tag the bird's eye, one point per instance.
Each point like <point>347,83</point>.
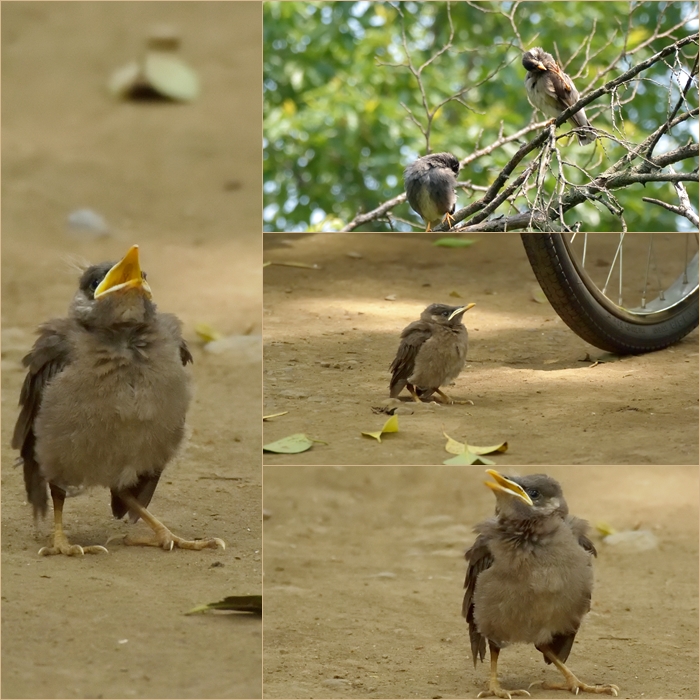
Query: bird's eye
<point>445,313</point>
<point>94,284</point>
<point>533,493</point>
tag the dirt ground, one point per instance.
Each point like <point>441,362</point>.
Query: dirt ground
<point>184,183</point>
<point>330,335</point>
<point>364,571</point>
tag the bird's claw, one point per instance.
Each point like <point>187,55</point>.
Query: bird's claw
<point>498,692</point>
<point>167,541</point>
<point>72,550</point>
<point>577,686</point>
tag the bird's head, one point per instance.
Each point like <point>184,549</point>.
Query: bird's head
<point>444,160</point>
<point>536,59</point>
<point>111,293</point>
<point>445,315</point>
<point>527,497</point>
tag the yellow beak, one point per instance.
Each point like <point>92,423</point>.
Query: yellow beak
<point>460,310</point>
<point>504,485</point>
<point>126,274</point>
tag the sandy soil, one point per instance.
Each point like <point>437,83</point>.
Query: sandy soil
<point>331,333</point>
<point>364,575</point>
<point>183,182</point>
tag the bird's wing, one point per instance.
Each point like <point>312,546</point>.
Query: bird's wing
<point>49,356</point>
<point>580,529</point>
<point>561,643</point>
<point>412,338</point>
<point>185,354</point>
<point>480,558</point>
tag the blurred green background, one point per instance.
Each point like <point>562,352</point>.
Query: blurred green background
<point>336,138</point>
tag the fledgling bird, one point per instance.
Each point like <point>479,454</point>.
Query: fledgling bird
<point>432,352</point>
<point>430,185</point>
<point>529,579</point>
<point>104,403</point>
<point>552,91</point>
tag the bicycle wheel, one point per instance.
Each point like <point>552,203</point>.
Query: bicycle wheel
<point>651,303</point>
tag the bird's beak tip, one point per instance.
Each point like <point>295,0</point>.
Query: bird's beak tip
<point>126,274</point>
<point>504,486</point>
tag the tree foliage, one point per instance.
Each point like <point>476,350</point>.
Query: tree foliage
<point>348,103</point>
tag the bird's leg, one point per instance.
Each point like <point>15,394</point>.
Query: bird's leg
<point>449,399</point>
<point>495,689</point>
<point>449,219</point>
<point>444,396</point>
<point>573,684</point>
<point>413,393</point>
<point>61,545</point>
<point>428,228</point>
<point>162,536</point>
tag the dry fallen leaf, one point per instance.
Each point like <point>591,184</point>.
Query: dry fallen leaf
<point>391,426</point>
<point>306,266</point>
<point>455,447</point>
<point>237,603</point>
<point>275,415</point>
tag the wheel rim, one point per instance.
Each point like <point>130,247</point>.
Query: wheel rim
<point>647,293</point>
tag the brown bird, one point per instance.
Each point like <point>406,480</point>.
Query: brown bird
<point>552,91</point>
<point>104,403</point>
<point>432,352</point>
<point>530,578</point>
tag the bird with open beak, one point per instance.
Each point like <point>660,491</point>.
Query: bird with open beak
<point>430,185</point>
<point>104,403</point>
<point>552,91</point>
<point>431,354</point>
<point>529,579</point>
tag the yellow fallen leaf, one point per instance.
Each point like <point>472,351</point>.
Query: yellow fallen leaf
<point>454,447</point>
<point>604,529</point>
<point>502,447</point>
<point>468,457</point>
<point>206,333</point>
<point>391,426</point>
<point>275,415</point>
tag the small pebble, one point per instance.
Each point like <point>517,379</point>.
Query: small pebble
<point>87,221</point>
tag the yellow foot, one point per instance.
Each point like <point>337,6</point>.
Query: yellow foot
<point>61,545</point>
<point>496,691</point>
<point>166,540</point>
<point>575,686</point>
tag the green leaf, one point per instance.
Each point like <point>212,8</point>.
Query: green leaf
<point>292,444</point>
<point>455,242</point>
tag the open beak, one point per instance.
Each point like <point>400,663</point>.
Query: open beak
<point>460,310</point>
<point>506,486</point>
<point>126,274</point>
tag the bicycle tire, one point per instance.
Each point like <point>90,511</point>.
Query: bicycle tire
<point>590,314</point>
